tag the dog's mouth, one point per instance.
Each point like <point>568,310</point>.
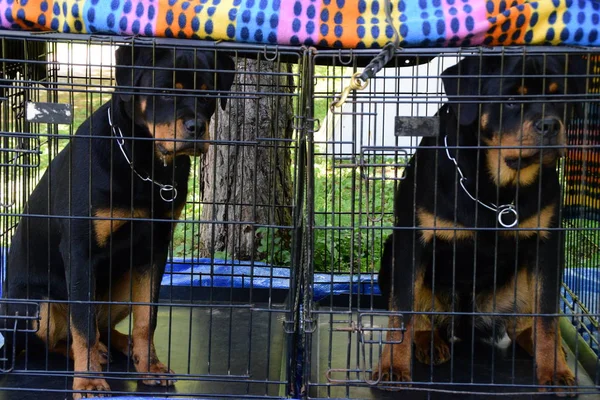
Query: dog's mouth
<point>190,148</point>
<point>187,137</point>
<point>524,161</point>
<point>521,162</point>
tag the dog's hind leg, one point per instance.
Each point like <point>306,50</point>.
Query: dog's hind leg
<point>119,341</point>
<point>430,347</point>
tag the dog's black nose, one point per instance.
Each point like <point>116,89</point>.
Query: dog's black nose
<point>194,127</point>
<point>548,126</point>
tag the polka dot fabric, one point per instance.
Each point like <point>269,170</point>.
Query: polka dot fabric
<point>328,23</point>
<point>259,21</point>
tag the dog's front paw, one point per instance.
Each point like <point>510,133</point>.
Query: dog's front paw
<point>160,376</point>
<point>423,347</point>
<point>563,380</point>
<point>393,369</point>
<point>87,388</point>
<point>386,374</point>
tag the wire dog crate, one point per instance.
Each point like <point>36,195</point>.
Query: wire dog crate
<point>224,316</point>
<point>270,287</point>
<point>361,157</point>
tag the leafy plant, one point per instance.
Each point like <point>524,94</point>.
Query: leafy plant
<point>352,212</point>
<point>274,246</point>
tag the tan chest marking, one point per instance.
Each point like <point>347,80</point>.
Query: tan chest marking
<point>109,221</point>
<point>536,223</point>
<point>432,225</point>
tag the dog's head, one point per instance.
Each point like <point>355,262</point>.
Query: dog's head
<point>173,94</point>
<point>519,103</point>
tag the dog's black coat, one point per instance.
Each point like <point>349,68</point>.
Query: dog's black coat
<point>77,254</point>
<point>462,269</point>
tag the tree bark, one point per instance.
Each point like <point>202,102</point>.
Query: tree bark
<point>246,174</point>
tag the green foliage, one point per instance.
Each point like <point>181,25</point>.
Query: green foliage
<point>582,243</point>
<point>185,236</point>
<point>352,212</point>
<point>221,255</point>
<point>274,246</point>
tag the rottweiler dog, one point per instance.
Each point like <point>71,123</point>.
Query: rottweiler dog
<point>483,198</point>
<point>92,246</point>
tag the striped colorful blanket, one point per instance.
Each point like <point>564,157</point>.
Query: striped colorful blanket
<point>328,23</point>
<point>582,165</point>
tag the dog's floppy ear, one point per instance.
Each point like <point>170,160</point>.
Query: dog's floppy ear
<point>461,83</point>
<point>224,79</point>
<point>125,74</point>
<point>127,58</point>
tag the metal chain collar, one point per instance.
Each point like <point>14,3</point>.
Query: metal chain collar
<point>501,211</point>
<point>167,192</point>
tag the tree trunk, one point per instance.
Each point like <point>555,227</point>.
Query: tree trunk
<point>246,175</point>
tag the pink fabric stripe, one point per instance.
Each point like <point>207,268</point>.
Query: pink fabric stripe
<point>143,20</point>
<point>288,17</point>
<point>3,7</point>
<point>458,10</point>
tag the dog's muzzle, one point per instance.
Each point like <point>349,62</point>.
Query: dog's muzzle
<point>548,132</point>
<point>548,127</point>
<point>196,129</point>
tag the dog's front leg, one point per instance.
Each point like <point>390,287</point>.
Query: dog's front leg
<point>85,343</point>
<point>146,287</point>
<point>397,287</point>
<point>551,363</point>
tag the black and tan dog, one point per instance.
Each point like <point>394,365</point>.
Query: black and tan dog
<point>486,244</point>
<point>112,201</point>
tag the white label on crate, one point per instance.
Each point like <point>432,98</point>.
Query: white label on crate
<point>49,113</point>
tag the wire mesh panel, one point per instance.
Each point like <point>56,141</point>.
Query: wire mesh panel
<point>149,239</point>
<point>452,196</point>
<point>197,219</point>
<point>25,74</point>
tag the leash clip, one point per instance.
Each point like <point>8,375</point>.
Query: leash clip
<point>356,83</point>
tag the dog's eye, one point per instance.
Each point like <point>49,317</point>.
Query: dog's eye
<point>166,95</point>
<point>511,103</point>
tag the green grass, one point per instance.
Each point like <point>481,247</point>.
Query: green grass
<point>582,243</point>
